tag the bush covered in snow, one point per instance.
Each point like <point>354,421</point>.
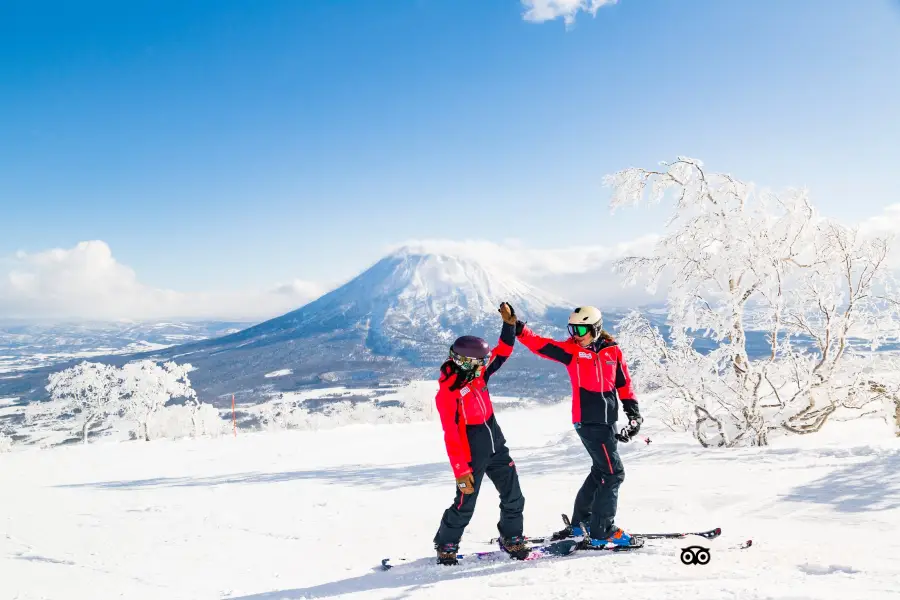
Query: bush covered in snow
<point>87,393</point>
<point>416,403</point>
<point>182,421</point>
<point>5,442</point>
<point>92,395</point>
<point>741,260</point>
<point>145,387</point>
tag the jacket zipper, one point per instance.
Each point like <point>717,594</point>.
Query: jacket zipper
<point>578,372</point>
<point>484,416</point>
<point>602,388</point>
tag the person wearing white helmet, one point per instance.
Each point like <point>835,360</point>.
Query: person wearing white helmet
<point>600,382</point>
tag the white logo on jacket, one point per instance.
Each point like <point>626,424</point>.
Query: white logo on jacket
<point>585,355</point>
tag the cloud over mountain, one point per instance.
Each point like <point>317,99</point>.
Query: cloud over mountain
<point>87,282</point>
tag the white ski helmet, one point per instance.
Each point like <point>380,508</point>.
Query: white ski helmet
<point>589,316</point>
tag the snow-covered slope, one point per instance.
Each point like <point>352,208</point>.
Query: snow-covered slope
<point>304,515</point>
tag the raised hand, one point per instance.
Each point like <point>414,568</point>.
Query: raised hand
<point>508,313</point>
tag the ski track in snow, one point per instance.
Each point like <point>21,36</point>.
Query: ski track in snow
<point>293,515</point>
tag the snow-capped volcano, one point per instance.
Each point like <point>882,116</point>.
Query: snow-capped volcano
<point>418,297</point>
<point>444,287</point>
<point>392,321</point>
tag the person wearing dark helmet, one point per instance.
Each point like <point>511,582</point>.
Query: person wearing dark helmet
<point>475,444</point>
<point>600,380</point>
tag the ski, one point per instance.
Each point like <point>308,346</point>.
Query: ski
<point>538,552</point>
<point>709,534</point>
<point>549,550</point>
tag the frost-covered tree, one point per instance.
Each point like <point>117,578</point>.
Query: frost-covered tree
<point>147,387</point>
<point>6,441</point>
<point>739,259</point>
<point>88,391</point>
<point>279,413</point>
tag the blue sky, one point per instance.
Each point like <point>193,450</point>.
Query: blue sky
<point>225,145</point>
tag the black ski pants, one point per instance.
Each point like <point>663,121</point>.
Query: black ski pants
<point>490,457</point>
<point>597,500</point>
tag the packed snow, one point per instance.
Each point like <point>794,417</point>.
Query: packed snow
<point>280,373</point>
<point>310,514</point>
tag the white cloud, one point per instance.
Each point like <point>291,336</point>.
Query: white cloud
<point>87,282</point>
<point>539,11</point>
<point>888,222</point>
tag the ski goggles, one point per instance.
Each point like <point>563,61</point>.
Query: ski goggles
<point>469,363</point>
<point>580,330</point>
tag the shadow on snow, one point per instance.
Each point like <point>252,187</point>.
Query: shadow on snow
<point>562,457</point>
<point>414,575</point>
<point>867,486</point>
<point>386,477</point>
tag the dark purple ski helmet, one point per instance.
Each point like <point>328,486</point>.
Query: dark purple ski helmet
<point>469,346</point>
<point>470,354</point>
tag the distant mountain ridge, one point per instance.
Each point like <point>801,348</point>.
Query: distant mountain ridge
<point>27,344</point>
<point>394,321</point>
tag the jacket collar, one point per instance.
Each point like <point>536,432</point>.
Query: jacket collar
<point>595,346</point>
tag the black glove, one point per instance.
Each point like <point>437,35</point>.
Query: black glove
<point>630,408</point>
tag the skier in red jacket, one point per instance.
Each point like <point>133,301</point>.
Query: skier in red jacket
<point>600,379</point>
<point>475,444</point>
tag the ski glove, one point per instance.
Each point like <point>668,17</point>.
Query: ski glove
<point>466,483</point>
<point>630,408</point>
<point>508,313</point>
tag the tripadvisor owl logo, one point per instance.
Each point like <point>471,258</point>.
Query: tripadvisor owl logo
<point>695,555</point>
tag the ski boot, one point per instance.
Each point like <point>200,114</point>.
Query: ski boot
<point>446,553</point>
<point>515,546</point>
<point>618,537</point>
<point>569,531</point>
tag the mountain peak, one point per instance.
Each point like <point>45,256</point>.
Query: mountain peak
<point>453,279</point>
<point>479,251</point>
<point>416,293</point>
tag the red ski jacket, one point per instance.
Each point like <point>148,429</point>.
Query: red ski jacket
<point>469,405</point>
<point>598,374</point>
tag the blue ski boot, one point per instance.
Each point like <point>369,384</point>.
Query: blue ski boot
<point>617,538</point>
<point>569,531</point>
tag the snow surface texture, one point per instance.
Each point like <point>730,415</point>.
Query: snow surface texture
<point>310,514</point>
<point>280,373</point>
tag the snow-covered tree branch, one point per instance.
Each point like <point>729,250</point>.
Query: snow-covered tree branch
<point>148,386</point>
<point>744,260</point>
<point>95,393</point>
<point>89,392</point>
